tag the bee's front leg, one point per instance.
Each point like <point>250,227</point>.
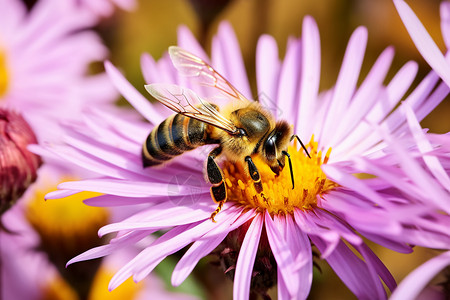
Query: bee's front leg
<point>254,174</point>
<point>215,176</point>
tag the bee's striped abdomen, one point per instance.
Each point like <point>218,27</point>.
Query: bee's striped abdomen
<point>172,137</point>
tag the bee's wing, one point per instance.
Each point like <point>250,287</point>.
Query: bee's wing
<point>192,66</point>
<point>186,102</point>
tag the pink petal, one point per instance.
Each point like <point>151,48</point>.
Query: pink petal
<point>105,250</point>
<point>351,270</point>
<point>283,255</point>
<point>267,71</point>
<point>365,97</point>
<point>346,82</point>
<point>288,82</point>
<point>377,269</point>
<point>416,281</point>
<point>227,47</point>
<point>142,260</point>
<point>205,245</point>
<point>445,22</point>
<point>423,41</point>
<point>301,250</point>
<point>310,77</point>
<point>246,259</point>
<point>188,41</point>
<point>139,102</point>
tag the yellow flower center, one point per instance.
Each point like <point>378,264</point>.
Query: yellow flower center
<point>3,73</point>
<point>66,223</point>
<point>278,196</point>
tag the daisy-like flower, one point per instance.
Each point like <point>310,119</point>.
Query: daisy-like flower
<point>44,62</point>
<point>263,240</point>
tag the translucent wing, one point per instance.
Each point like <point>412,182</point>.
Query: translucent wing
<point>192,66</point>
<point>186,102</point>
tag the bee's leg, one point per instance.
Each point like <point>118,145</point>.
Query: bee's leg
<point>254,174</point>
<point>215,176</point>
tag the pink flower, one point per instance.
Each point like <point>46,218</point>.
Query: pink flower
<point>44,58</point>
<point>269,236</point>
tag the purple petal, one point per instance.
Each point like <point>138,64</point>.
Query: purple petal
<point>283,255</point>
<point>105,250</point>
<point>416,281</point>
<point>141,259</point>
<point>205,245</point>
<point>170,217</point>
<point>187,41</point>
<point>60,194</point>
<point>124,187</point>
<point>306,221</point>
<point>379,269</point>
<point>283,292</point>
<point>423,41</point>
<point>301,251</point>
<point>227,47</point>
<point>351,270</point>
<point>139,102</point>
<point>149,68</point>
<point>366,96</point>
<point>310,77</point>
<point>161,248</point>
<point>246,259</point>
<point>435,193</point>
<point>288,82</point>
<point>445,23</point>
<point>267,70</point>
<point>346,82</point>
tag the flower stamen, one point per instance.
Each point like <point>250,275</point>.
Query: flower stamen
<point>278,197</point>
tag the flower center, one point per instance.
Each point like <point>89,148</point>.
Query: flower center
<point>3,73</point>
<point>278,196</point>
<point>66,222</point>
<point>66,228</point>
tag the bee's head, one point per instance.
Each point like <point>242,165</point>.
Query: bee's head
<point>276,145</point>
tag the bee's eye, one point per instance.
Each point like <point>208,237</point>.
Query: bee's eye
<point>270,148</point>
<point>242,132</point>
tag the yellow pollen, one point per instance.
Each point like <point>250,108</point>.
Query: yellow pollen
<point>277,196</point>
<point>3,73</point>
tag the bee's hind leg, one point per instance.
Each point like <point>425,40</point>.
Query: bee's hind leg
<point>254,174</point>
<point>215,176</point>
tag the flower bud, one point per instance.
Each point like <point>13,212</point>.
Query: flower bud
<point>18,166</point>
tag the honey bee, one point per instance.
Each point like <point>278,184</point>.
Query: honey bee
<point>242,128</point>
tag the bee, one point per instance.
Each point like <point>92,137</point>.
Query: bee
<point>241,128</point>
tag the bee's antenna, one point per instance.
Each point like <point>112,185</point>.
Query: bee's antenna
<point>303,146</point>
<point>290,167</point>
